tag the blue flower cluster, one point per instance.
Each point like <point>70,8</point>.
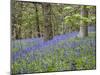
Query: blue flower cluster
<point>61,47</point>
<point>39,44</point>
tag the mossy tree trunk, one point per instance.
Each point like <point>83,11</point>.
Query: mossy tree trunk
<point>37,20</point>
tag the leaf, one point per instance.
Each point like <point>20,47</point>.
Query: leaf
<point>68,8</point>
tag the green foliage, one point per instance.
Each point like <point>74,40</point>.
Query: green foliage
<point>64,18</point>
<point>68,8</point>
<point>15,50</point>
<point>73,21</point>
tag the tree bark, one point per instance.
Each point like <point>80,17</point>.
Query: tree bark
<point>47,21</point>
<point>84,25</point>
<point>37,21</point>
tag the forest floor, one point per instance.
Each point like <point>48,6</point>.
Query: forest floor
<point>63,52</point>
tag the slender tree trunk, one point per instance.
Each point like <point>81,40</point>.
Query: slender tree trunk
<point>18,22</point>
<point>47,21</point>
<point>37,20</point>
<point>84,25</point>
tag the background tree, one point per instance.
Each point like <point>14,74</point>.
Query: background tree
<point>46,20</point>
<point>37,20</point>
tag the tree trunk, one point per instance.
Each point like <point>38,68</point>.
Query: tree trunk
<point>18,21</point>
<point>84,25</point>
<point>37,21</point>
<point>47,21</point>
